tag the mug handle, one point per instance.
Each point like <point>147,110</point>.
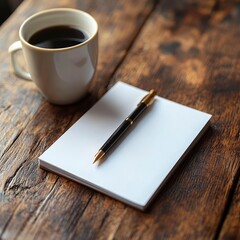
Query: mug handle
<point>15,47</point>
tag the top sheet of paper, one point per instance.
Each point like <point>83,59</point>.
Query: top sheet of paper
<point>137,166</point>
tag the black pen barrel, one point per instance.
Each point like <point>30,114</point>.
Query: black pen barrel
<point>137,112</point>
<point>123,127</point>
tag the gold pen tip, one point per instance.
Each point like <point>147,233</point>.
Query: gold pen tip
<point>99,155</point>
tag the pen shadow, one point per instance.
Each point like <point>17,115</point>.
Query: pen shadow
<point>107,156</point>
<point>107,109</point>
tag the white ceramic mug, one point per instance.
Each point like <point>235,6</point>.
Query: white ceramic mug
<point>61,74</point>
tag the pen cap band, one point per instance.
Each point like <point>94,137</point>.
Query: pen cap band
<point>149,98</point>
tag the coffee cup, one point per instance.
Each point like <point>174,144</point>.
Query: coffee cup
<point>60,47</point>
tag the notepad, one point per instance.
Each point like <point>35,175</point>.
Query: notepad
<point>140,163</point>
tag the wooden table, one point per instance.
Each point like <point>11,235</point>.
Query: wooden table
<point>190,52</point>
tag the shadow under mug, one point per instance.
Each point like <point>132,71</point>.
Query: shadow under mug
<point>62,75</point>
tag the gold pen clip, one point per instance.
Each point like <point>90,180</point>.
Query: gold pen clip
<point>149,98</point>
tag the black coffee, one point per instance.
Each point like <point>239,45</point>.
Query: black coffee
<point>58,37</point>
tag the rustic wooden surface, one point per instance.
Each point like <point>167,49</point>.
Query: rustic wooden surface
<point>189,51</point>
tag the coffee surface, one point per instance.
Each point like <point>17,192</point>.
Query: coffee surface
<point>58,37</point>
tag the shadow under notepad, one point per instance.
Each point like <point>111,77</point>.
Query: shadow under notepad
<point>107,109</point>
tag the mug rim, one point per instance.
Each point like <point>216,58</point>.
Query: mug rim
<point>56,10</point>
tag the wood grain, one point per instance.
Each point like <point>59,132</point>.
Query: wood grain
<point>188,51</point>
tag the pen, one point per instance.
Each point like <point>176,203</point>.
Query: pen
<point>142,105</point>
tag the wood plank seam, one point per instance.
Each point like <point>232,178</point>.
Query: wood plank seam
<point>9,220</point>
<point>227,206</point>
<point>118,225</point>
<point>128,49</point>
<point>9,147</point>
<point>42,204</point>
<point>84,209</point>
